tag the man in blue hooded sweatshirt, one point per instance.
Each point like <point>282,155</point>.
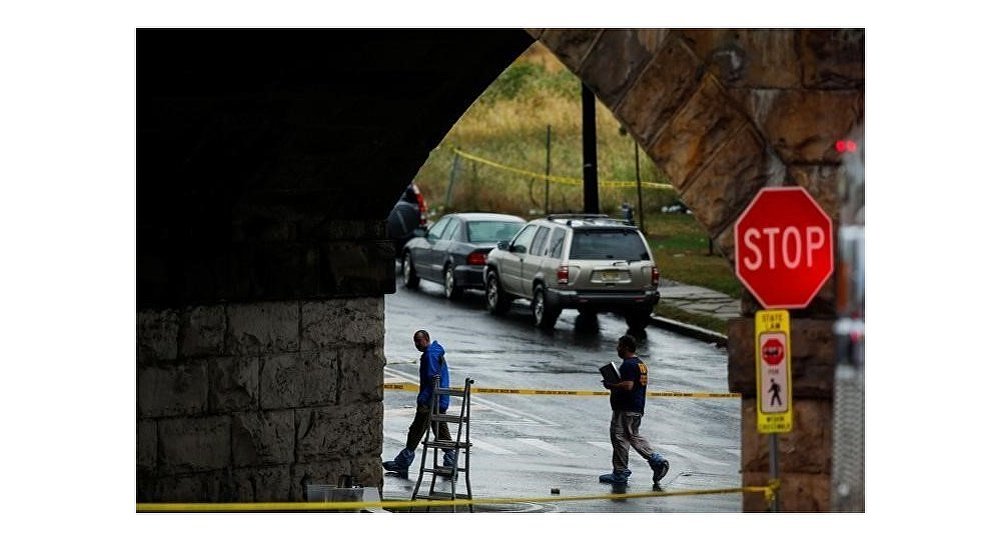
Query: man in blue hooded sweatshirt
<point>432,363</point>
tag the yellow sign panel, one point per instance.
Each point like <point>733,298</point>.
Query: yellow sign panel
<point>774,371</point>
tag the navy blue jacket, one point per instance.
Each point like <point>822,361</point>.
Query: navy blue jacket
<point>634,370</point>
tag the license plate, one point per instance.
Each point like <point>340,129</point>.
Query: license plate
<point>610,275</point>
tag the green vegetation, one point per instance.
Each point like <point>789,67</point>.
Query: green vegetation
<point>508,125</point>
<point>680,249</point>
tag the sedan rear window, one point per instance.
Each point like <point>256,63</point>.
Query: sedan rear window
<point>608,244</point>
<point>492,231</point>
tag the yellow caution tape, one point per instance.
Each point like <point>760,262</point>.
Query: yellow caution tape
<point>355,506</point>
<point>562,392</point>
<point>561,180</point>
<point>771,490</point>
<point>673,394</point>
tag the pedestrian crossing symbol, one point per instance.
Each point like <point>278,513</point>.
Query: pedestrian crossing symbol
<point>774,373</point>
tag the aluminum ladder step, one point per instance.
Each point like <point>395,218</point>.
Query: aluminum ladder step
<point>442,471</point>
<point>447,418</point>
<point>445,444</point>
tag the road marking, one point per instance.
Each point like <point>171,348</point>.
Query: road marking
<point>693,456</point>
<point>488,404</point>
<point>393,438</point>
<point>545,446</point>
<point>478,444</point>
<point>604,445</point>
<point>504,422</point>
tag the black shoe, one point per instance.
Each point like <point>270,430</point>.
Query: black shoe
<point>660,471</point>
<point>615,478</point>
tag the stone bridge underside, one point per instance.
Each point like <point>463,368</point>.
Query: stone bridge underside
<point>268,160</point>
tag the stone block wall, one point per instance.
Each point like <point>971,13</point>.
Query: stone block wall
<point>724,113</point>
<point>253,401</point>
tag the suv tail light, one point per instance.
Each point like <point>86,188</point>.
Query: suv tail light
<point>656,276</point>
<point>562,275</point>
<point>476,258</point>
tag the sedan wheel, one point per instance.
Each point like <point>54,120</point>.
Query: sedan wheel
<point>451,291</point>
<point>409,273</point>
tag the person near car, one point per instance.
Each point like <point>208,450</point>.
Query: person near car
<point>432,364</point>
<point>628,403</point>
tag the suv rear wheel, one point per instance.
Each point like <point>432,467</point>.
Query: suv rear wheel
<point>637,323</point>
<point>497,300</point>
<point>544,315</point>
<point>410,273</point>
<point>586,322</point>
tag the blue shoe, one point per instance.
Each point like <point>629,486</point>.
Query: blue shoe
<point>660,467</point>
<point>400,464</point>
<point>615,478</point>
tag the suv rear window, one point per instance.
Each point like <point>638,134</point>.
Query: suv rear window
<point>608,244</point>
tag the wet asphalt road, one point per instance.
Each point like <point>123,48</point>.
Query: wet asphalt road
<point>526,445</point>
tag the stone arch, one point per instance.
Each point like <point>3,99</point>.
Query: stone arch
<point>725,112</point>
<point>267,160</point>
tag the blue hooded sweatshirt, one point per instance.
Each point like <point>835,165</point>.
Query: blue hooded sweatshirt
<point>432,364</point>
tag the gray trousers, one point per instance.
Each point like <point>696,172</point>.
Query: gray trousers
<point>625,432</point>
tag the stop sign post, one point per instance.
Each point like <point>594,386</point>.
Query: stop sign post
<point>784,247</point>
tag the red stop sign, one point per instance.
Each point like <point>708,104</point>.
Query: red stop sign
<point>784,247</point>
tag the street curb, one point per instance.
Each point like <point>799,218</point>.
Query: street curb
<point>705,335</point>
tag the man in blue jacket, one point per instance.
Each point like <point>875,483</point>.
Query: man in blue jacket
<point>432,363</point>
<point>628,402</point>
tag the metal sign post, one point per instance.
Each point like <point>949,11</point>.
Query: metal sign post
<point>772,330</point>
<point>773,445</point>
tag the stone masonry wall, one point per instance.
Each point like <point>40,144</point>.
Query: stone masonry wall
<point>726,112</point>
<point>244,402</point>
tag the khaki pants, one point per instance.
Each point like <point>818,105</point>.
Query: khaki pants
<point>625,433</point>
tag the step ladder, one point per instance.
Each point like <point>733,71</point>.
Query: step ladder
<point>437,447</point>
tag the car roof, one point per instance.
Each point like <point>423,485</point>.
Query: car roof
<point>485,216</point>
<point>596,221</point>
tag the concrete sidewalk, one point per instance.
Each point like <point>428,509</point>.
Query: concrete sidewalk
<point>696,300</point>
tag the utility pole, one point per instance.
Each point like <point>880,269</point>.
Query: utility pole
<point>548,163</point>
<point>590,203</point>
<point>638,187</point>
